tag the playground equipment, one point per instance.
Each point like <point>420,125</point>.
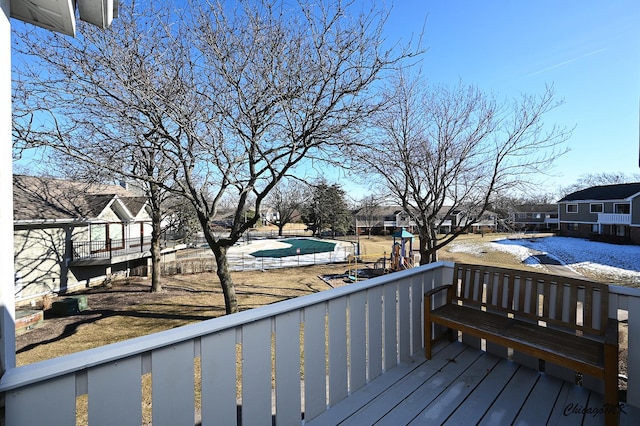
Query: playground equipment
<point>401,258</point>
<point>402,251</point>
<point>360,267</point>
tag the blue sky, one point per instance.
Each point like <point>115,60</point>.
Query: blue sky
<point>589,50</point>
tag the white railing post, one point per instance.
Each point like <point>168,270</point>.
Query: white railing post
<point>7,274</point>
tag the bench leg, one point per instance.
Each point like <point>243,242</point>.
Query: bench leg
<point>611,385</point>
<point>428,341</point>
<point>427,337</point>
<point>427,328</point>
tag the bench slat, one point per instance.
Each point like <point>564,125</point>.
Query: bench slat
<point>581,354</point>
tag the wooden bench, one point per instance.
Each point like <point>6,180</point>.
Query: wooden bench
<point>552,318</point>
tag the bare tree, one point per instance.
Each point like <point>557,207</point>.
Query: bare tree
<point>450,149</point>
<point>597,179</point>
<point>367,213</point>
<point>95,104</point>
<point>287,199</point>
<point>229,98</point>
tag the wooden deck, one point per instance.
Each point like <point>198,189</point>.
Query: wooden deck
<point>464,385</point>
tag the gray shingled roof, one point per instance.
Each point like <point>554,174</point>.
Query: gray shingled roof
<point>45,199</point>
<point>620,191</point>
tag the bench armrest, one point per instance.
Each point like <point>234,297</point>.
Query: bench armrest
<point>437,290</point>
<point>428,294</point>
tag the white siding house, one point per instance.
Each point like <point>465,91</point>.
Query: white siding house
<point>69,234</point>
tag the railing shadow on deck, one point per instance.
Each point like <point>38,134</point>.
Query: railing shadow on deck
<point>287,360</point>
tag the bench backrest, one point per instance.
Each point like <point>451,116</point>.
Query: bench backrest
<point>550,300</point>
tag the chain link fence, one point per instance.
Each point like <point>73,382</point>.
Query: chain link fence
<point>200,259</point>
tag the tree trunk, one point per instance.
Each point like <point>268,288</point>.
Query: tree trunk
<point>428,253</point>
<point>156,286</point>
<point>156,220</point>
<point>433,240</point>
<point>228,287</point>
<point>280,229</point>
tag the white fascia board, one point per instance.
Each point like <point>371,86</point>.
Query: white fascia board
<point>97,12</point>
<point>54,15</point>
<point>120,209</point>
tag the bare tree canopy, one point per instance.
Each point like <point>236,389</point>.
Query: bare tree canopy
<point>286,199</point>
<point>441,150</point>
<point>597,179</point>
<point>221,100</point>
<point>367,213</point>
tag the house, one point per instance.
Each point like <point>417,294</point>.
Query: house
<point>608,213</point>
<point>534,217</point>
<point>450,220</point>
<point>453,220</point>
<point>69,234</point>
<point>382,220</point>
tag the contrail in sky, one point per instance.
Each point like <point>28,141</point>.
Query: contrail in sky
<point>560,64</point>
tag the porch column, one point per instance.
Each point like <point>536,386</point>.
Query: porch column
<point>7,301</point>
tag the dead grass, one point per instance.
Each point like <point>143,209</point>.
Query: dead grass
<point>127,309</point>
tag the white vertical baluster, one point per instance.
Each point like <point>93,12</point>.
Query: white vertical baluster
<point>117,384</point>
<point>404,319</point>
<point>50,402</point>
<point>173,385</point>
<point>315,373</point>
<point>390,327</point>
<point>337,350</point>
<point>358,341</point>
<point>287,354</point>
<point>256,373</point>
<point>374,305</point>
<point>218,372</point>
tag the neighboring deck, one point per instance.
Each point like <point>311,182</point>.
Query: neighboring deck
<point>464,385</point>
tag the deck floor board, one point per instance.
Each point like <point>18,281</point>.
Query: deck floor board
<point>463,385</point>
<point>455,394</point>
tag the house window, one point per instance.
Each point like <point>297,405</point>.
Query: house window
<point>572,226</point>
<point>595,228</point>
<point>521,215</point>
<point>621,230</point>
<point>596,208</point>
<point>116,234</point>
<point>98,232</point>
<point>572,208</point>
<point>622,208</point>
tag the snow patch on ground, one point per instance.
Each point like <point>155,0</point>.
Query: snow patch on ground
<point>615,261</point>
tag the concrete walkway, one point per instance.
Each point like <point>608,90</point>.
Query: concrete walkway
<point>555,267</point>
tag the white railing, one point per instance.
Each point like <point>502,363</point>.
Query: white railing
<point>614,219</point>
<point>289,359</point>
